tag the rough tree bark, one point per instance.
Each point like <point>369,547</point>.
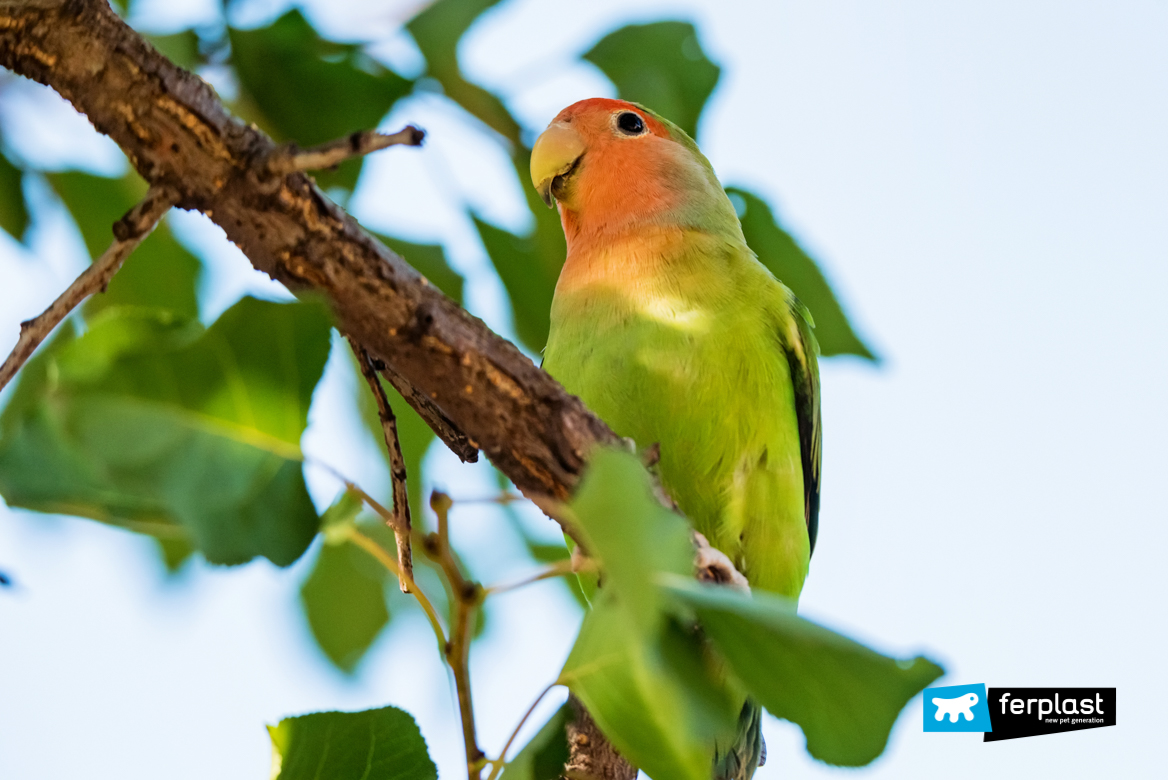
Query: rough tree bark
<point>177,134</point>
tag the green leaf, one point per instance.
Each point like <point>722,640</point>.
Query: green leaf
<point>845,696</point>
<point>310,90</point>
<point>181,48</point>
<point>13,211</point>
<point>779,252</point>
<point>660,65</point>
<point>151,423</point>
<point>345,606</point>
<point>382,744</point>
<point>437,31</point>
<point>159,273</point>
<point>544,757</point>
<point>630,533</point>
<point>656,698</point>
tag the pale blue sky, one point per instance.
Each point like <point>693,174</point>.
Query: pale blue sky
<point>986,184</point>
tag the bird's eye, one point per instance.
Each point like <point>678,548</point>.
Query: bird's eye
<point>630,123</point>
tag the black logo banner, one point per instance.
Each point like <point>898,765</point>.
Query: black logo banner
<point>1028,712</point>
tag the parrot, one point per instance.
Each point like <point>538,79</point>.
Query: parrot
<point>667,326</point>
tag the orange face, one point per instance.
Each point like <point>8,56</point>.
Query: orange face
<point>612,167</point>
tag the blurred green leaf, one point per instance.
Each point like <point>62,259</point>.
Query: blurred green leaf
<point>788,261</point>
<point>344,605</point>
<point>544,757</point>
<point>437,31</point>
<point>383,744</point>
<point>660,65</point>
<point>159,273</point>
<point>181,48</point>
<point>845,696</point>
<point>655,697</point>
<point>630,533</point>
<point>530,277</point>
<point>650,685</point>
<point>13,211</point>
<point>310,90</point>
<point>174,552</point>
<point>149,422</point>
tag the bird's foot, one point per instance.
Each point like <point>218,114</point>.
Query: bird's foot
<point>715,566</point>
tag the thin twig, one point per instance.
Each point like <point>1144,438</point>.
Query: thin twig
<point>450,434</point>
<point>128,233</point>
<point>503,498</point>
<point>467,597</point>
<point>501,761</point>
<point>291,158</point>
<point>557,569</point>
<point>397,465</point>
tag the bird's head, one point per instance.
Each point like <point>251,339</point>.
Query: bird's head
<point>614,166</point>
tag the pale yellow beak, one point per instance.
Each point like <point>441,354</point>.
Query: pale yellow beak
<point>555,153</point>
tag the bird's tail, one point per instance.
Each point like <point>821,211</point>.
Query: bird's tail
<point>747,752</point>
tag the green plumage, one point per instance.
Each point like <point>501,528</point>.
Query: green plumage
<point>671,330</point>
<point>712,358</point>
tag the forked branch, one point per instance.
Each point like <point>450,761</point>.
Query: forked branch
<point>397,468</point>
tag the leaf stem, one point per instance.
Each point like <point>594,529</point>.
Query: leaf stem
<point>557,569</point>
<point>501,761</point>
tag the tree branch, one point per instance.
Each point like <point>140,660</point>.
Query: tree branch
<point>443,426</point>
<point>291,158</point>
<point>590,755</point>
<point>175,131</point>
<point>128,233</point>
<point>475,389</point>
<point>466,598</point>
<point>397,468</point>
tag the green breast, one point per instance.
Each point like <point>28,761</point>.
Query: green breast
<point>691,360</point>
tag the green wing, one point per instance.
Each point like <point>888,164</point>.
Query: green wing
<point>803,359</point>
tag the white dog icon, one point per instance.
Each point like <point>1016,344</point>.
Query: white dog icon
<point>962,705</point>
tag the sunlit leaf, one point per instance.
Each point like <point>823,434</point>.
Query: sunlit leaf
<point>630,533</point>
<point>159,273</point>
<point>13,211</point>
<point>544,757</point>
<point>383,744</point>
<point>655,697</point>
<point>310,90</point>
<point>660,65</point>
<point>788,261</point>
<point>149,422</point>
<point>845,696</point>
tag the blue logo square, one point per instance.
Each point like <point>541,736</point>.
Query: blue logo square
<point>957,708</point>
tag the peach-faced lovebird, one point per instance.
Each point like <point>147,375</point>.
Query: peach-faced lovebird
<point>669,328</point>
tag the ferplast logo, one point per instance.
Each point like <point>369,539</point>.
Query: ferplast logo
<point>1029,712</point>
<point>1010,713</point>
<point>957,708</point>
